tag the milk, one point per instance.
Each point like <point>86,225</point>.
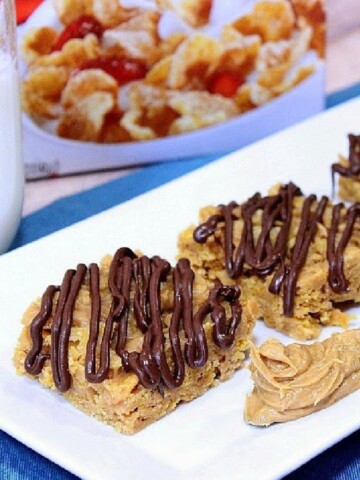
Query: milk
<point>11,167</point>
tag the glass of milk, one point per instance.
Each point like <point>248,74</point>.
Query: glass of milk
<point>11,165</point>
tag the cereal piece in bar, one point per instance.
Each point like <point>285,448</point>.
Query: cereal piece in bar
<point>296,256</point>
<point>293,381</point>
<point>129,341</point>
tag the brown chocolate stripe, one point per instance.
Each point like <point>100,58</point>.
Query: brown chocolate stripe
<point>353,170</point>
<point>143,276</point>
<point>244,256</point>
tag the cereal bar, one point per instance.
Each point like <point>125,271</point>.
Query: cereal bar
<point>128,341</point>
<point>296,257</point>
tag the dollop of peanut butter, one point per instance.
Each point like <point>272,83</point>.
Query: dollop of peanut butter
<point>296,380</point>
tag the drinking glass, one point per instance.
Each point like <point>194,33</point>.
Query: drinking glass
<point>11,165</point>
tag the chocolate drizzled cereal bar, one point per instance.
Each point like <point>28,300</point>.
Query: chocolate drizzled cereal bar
<point>295,257</point>
<point>348,170</point>
<point>128,341</point>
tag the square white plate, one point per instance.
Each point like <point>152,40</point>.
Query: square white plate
<point>206,438</point>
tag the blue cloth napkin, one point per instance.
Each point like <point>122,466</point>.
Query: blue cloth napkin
<point>18,462</point>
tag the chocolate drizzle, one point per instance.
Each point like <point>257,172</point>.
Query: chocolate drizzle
<point>92,374</point>
<point>270,254</point>
<point>61,327</point>
<point>353,170</point>
<point>135,285</point>
<point>35,358</point>
<point>335,253</point>
<point>287,275</point>
<point>262,256</point>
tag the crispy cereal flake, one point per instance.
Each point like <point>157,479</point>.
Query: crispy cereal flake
<point>272,20</point>
<point>41,91</point>
<point>85,83</point>
<point>37,43</point>
<point>74,53</point>
<point>84,120</point>
<point>69,10</point>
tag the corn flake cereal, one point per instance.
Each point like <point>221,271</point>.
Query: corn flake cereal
<point>110,13</point>
<point>170,44</point>
<point>85,119</point>
<point>149,115</point>
<point>136,38</point>
<point>73,54</point>
<point>37,43</point>
<point>195,12</point>
<point>85,83</point>
<point>274,64</point>
<point>42,89</point>
<point>239,52</point>
<point>272,20</point>
<point>69,10</point>
<point>199,109</point>
<point>193,61</point>
<point>313,14</point>
<point>243,98</point>
<point>159,73</point>
<point>112,131</point>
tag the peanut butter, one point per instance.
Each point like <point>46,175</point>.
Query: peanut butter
<point>296,380</point>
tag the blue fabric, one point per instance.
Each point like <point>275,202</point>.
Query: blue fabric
<point>18,462</point>
<point>343,95</point>
<point>69,210</point>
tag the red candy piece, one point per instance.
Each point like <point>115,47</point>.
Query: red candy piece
<point>79,28</point>
<point>123,69</point>
<point>225,84</point>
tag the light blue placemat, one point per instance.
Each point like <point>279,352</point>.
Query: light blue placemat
<point>17,462</point>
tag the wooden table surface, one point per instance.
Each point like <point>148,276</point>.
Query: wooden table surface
<point>343,69</point>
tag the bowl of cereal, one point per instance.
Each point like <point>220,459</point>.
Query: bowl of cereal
<point>110,83</point>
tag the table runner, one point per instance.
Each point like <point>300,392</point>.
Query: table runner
<point>18,462</point>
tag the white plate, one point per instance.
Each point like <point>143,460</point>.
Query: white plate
<point>207,438</point>
<point>46,154</point>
